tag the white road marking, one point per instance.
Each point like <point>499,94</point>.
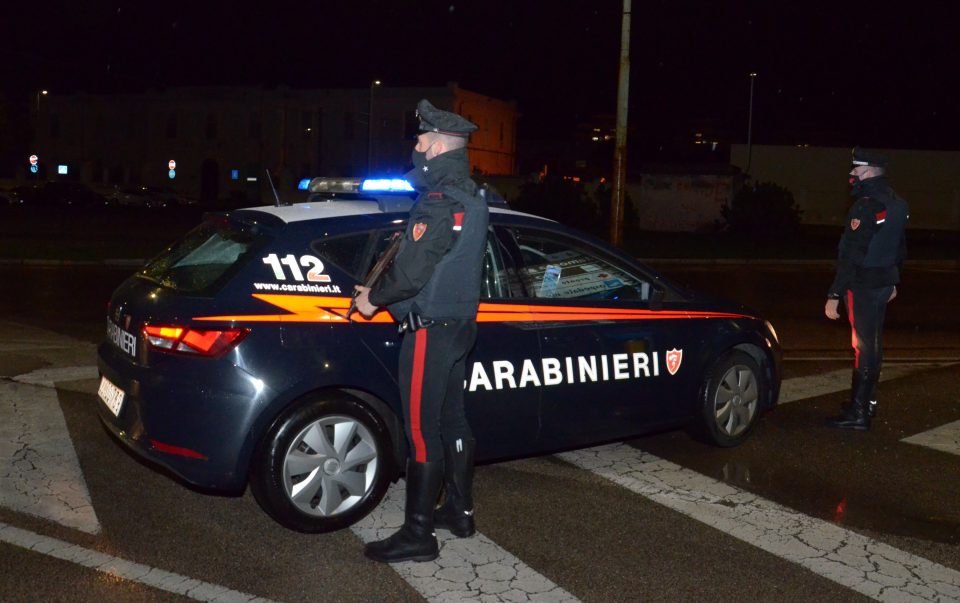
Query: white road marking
<point>49,376</point>
<point>846,557</point>
<point>121,568</point>
<point>811,386</point>
<point>945,438</point>
<point>26,346</point>
<point>39,471</point>
<point>468,569</point>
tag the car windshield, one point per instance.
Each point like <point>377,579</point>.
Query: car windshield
<point>203,256</point>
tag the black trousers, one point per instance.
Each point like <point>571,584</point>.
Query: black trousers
<point>432,370</point>
<point>866,309</point>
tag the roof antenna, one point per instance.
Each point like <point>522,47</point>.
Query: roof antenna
<point>273,188</point>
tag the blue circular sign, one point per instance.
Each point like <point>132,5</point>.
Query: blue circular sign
<point>34,168</point>
<point>172,174</point>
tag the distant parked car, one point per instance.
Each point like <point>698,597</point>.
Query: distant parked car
<point>67,194</point>
<point>150,196</point>
<point>22,195</point>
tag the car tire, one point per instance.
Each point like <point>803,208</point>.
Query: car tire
<point>731,399</point>
<point>323,465</point>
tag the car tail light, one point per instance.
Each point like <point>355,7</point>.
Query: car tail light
<point>184,340</point>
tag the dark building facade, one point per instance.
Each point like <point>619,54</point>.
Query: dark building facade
<point>223,140</point>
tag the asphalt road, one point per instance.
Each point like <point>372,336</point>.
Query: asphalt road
<point>798,513</point>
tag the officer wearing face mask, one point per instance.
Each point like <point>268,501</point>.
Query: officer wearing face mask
<point>433,289</point>
<point>870,258</point>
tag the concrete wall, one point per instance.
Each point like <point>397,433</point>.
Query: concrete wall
<point>817,177</point>
<point>679,202</point>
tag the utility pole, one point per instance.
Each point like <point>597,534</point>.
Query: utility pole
<point>753,76</point>
<point>620,153</point>
<point>373,85</point>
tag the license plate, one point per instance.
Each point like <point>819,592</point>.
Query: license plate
<point>111,395</point>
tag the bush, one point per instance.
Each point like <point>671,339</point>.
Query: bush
<point>762,211</point>
<point>571,203</point>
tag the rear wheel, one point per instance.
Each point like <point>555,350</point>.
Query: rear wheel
<point>731,399</point>
<point>323,465</point>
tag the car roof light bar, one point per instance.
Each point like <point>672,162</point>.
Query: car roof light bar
<point>386,185</point>
<point>334,185</point>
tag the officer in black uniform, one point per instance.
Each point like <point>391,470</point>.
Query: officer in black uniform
<point>432,289</point>
<point>870,259</point>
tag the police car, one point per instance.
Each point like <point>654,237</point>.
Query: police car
<point>230,359</point>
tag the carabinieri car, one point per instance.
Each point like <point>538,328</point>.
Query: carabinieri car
<point>229,359</point>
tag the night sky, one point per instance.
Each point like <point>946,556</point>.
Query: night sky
<point>829,73</point>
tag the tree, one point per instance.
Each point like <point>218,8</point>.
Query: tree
<point>762,211</point>
<point>562,200</point>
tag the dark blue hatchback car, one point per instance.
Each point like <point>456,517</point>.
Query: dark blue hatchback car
<point>230,360</point>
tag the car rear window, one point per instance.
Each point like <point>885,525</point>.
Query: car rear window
<point>203,258</point>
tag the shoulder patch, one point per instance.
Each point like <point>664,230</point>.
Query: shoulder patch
<point>418,230</point>
<point>854,224</point>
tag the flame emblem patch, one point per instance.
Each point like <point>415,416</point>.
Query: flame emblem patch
<point>418,229</point>
<point>674,358</point>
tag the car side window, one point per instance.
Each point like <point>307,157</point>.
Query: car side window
<point>356,254</point>
<point>560,267</point>
<point>347,252</point>
<point>496,274</point>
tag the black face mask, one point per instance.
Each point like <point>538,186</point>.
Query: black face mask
<point>858,186</point>
<point>417,176</point>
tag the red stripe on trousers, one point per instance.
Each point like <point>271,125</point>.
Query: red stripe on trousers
<point>416,393</point>
<point>853,330</point>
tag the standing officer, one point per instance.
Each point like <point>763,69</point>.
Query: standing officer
<point>432,289</point>
<point>871,254</point>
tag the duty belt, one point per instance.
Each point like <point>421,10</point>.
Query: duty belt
<point>414,322</point>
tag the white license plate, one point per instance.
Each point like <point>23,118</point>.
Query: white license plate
<point>111,395</point>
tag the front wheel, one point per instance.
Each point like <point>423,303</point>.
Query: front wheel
<point>731,397</point>
<point>323,465</point>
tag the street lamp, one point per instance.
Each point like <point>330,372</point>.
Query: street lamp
<point>39,94</point>
<point>753,76</point>
<point>373,85</point>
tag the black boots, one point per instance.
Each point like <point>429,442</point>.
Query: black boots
<point>858,413</point>
<point>456,512</point>
<point>416,540</point>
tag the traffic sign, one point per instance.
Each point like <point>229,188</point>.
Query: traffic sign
<point>172,164</point>
<point>172,173</point>
<point>34,159</point>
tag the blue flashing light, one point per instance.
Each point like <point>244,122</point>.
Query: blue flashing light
<point>304,185</point>
<point>386,185</point>
<point>234,174</point>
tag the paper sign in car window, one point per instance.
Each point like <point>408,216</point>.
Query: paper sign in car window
<point>551,277</point>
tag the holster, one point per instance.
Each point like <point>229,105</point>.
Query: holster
<point>413,322</point>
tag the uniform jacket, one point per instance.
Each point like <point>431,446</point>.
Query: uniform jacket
<point>873,245</point>
<point>438,267</point>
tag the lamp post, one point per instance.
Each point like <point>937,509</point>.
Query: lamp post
<point>618,194</point>
<point>39,94</point>
<point>753,76</point>
<point>373,85</point>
